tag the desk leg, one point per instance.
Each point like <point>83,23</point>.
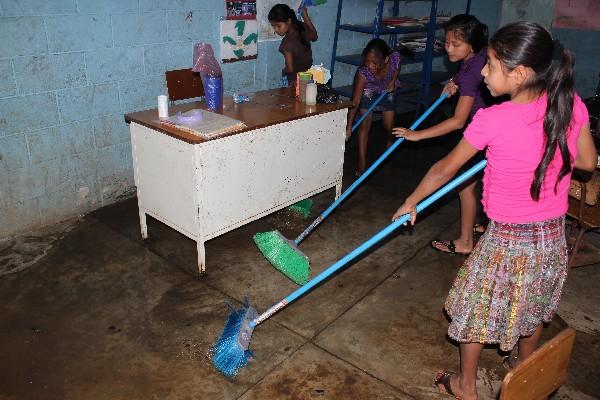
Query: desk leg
<point>201,257</point>
<point>338,190</point>
<point>143,225</point>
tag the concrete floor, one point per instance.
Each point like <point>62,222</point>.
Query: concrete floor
<point>90,311</point>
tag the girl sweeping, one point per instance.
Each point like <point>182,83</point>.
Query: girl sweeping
<point>513,279</point>
<point>295,45</point>
<point>466,41</point>
<point>378,73</point>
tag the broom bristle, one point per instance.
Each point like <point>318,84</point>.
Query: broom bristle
<point>284,256</point>
<point>230,352</point>
<point>303,207</point>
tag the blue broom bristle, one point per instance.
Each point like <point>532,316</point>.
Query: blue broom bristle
<point>230,351</point>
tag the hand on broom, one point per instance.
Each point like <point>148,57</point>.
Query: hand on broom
<point>407,134</point>
<point>451,88</point>
<point>406,208</point>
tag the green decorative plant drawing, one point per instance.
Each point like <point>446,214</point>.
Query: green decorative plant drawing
<point>244,34</point>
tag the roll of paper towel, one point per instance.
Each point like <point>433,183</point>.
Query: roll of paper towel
<point>163,106</point>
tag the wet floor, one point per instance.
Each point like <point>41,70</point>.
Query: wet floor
<point>90,311</point>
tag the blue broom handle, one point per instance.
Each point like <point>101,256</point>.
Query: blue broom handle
<point>375,103</point>
<point>369,243</point>
<point>364,176</point>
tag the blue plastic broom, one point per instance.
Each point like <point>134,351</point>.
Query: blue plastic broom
<point>230,352</point>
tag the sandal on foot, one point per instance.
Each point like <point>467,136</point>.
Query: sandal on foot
<point>447,246</point>
<point>509,362</point>
<point>442,381</point>
<point>479,229</point>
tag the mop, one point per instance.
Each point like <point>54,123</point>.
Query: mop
<point>284,254</point>
<point>230,352</point>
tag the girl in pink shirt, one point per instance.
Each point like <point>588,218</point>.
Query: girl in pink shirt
<point>512,281</point>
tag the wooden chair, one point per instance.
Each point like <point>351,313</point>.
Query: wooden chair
<point>183,84</point>
<point>584,208</point>
<point>543,372</point>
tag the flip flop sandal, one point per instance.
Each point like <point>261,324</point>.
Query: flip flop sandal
<point>509,362</point>
<point>442,381</point>
<point>449,245</point>
<point>479,229</point>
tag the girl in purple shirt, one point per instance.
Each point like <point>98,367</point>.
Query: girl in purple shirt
<point>512,282</point>
<point>379,73</point>
<point>466,40</point>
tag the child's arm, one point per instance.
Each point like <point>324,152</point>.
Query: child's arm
<point>392,83</point>
<point>359,86</point>
<point>438,174</point>
<point>587,157</point>
<point>289,62</point>
<point>311,31</point>
<point>457,121</point>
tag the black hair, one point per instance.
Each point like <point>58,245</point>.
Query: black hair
<point>469,29</point>
<point>283,13</point>
<point>379,47</point>
<point>530,45</point>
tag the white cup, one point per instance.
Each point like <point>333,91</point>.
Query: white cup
<point>163,106</point>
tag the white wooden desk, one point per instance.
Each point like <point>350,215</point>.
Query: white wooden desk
<point>205,188</point>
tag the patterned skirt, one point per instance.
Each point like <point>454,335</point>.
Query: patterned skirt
<point>511,282</point>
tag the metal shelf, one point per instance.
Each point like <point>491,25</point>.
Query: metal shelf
<point>356,59</point>
<point>387,30</point>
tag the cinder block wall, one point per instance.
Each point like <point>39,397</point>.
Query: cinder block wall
<point>70,69</point>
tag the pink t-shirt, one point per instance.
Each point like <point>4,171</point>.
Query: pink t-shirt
<point>514,137</point>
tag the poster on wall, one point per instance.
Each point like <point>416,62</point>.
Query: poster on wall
<point>577,14</point>
<point>239,40</point>
<point>265,30</point>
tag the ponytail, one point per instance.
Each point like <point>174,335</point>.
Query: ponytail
<point>530,45</point>
<point>560,88</point>
<point>283,13</point>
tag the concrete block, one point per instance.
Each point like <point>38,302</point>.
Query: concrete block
<point>22,36</point>
<point>44,145</point>
<point>21,216</point>
<point>110,130</point>
<point>114,160</point>
<point>37,7</point>
<point>33,181</point>
<point>154,5</point>
<point>193,25</point>
<point>238,76</point>
<point>106,6</point>
<point>115,64</point>
<point>8,85</point>
<point>141,94</point>
<point>74,200</point>
<point>78,32</point>
<point>145,28</point>
<point>27,113</point>
<point>159,58</point>
<point>76,138</point>
<point>4,195</point>
<point>13,153</point>
<point>49,72</point>
<point>88,102</point>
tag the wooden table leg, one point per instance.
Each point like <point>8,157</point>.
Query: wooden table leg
<point>201,257</point>
<point>143,224</point>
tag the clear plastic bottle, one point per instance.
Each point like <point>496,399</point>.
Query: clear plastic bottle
<point>311,93</point>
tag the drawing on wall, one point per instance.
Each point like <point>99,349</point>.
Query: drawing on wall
<point>265,30</point>
<point>577,14</point>
<point>239,40</point>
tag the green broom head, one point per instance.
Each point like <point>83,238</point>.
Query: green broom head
<point>303,207</point>
<point>230,352</point>
<point>284,255</point>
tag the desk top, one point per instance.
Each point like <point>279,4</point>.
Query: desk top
<point>268,107</point>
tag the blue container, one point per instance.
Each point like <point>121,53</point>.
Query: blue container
<point>213,92</point>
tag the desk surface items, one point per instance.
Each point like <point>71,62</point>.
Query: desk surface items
<point>205,174</point>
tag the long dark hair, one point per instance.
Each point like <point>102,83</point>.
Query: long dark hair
<point>377,46</point>
<point>469,29</point>
<point>530,45</point>
<point>283,13</point>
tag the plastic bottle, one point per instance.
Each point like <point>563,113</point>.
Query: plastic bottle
<point>303,79</point>
<point>311,93</point>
